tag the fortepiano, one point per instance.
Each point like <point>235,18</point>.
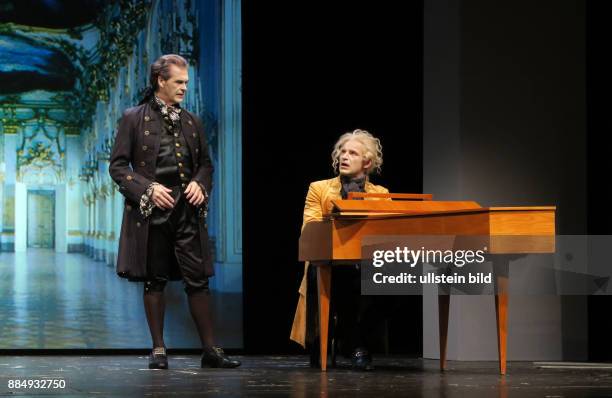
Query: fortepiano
<point>338,237</point>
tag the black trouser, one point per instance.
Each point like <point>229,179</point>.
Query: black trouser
<point>176,241</point>
<point>359,317</point>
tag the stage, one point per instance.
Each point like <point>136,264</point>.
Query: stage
<point>127,375</point>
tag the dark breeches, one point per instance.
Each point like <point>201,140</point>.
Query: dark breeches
<point>175,240</point>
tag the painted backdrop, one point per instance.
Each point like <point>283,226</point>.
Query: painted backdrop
<point>68,69</point>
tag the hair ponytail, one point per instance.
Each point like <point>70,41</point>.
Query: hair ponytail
<point>147,95</point>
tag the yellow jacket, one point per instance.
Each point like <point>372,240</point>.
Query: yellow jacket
<point>318,203</point>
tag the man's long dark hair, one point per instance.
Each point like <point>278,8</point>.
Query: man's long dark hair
<point>161,67</point>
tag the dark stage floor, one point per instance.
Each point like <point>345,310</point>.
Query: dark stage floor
<point>265,376</point>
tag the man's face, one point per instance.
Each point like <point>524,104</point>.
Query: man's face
<point>352,161</point>
<point>172,91</point>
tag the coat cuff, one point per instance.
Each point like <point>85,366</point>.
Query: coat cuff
<point>146,202</point>
<point>203,210</point>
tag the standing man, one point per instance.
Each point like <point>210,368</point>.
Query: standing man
<point>160,162</point>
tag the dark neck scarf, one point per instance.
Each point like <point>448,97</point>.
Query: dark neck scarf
<point>173,111</point>
<point>352,185</point>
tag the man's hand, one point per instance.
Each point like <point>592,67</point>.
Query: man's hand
<point>195,196</point>
<point>161,197</point>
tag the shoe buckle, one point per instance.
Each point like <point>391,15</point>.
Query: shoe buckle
<point>159,351</point>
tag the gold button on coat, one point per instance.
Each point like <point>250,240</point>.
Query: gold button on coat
<point>177,144</point>
<point>146,132</point>
<point>189,121</point>
<point>147,118</point>
<point>194,134</point>
<point>138,224</point>
<point>129,178</point>
<point>144,147</point>
<point>142,163</point>
<point>178,154</point>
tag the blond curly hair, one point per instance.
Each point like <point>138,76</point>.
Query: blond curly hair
<point>372,145</point>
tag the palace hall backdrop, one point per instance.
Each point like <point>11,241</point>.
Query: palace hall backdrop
<point>68,69</point>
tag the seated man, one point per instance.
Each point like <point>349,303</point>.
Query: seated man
<point>355,156</point>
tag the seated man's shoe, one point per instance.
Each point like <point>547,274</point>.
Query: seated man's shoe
<point>158,358</point>
<point>214,357</point>
<point>361,360</point>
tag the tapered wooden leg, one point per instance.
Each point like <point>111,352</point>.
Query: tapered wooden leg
<point>503,388</point>
<point>500,271</point>
<point>324,289</point>
<point>443,306</point>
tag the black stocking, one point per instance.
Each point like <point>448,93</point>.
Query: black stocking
<point>199,305</point>
<point>155,306</point>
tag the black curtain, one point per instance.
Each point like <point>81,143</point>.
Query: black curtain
<point>312,71</point>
